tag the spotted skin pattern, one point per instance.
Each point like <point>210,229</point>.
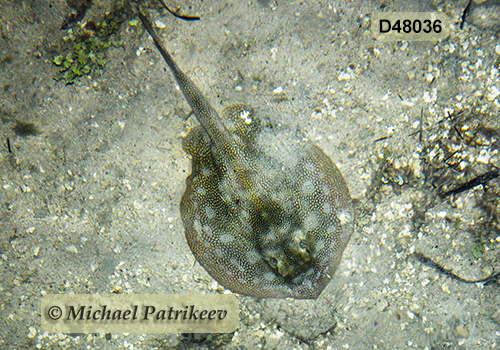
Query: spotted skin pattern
<point>265,211</point>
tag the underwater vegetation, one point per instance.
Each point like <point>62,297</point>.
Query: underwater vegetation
<point>89,42</point>
<point>457,160</point>
<point>460,153</point>
<point>464,156</point>
<point>25,129</point>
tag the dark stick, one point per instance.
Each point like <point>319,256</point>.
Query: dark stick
<point>465,13</point>
<point>480,180</point>
<point>184,17</point>
<point>382,138</point>
<point>448,272</point>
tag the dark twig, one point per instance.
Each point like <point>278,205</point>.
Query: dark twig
<point>175,14</point>
<point>421,124</point>
<point>448,272</point>
<point>458,132</point>
<point>448,158</point>
<point>464,14</point>
<point>382,138</point>
<point>480,180</point>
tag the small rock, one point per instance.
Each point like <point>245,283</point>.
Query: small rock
<point>40,213</point>
<point>461,331</point>
<point>485,15</point>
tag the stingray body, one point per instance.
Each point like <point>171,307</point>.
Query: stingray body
<point>265,211</point>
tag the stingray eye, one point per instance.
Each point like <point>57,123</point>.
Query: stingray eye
<point>305,251</point>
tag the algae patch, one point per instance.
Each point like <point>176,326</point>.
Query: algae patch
<point>89,42</point>
<point>25,129</point>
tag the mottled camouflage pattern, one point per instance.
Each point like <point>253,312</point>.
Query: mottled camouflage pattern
<point>266,212</point>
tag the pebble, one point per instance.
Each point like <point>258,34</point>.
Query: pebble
<point>485,16</point>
